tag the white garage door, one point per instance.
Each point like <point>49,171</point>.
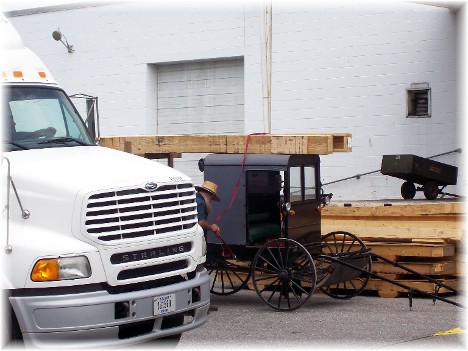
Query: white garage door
<point>204,97</point>
<point>201,97</point>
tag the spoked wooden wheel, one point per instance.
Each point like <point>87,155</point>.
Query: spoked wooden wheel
<point>283,274</point>
<point>227,276</point>
<point>349,248</point>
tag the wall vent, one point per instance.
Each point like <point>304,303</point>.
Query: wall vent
<point>418,101</point>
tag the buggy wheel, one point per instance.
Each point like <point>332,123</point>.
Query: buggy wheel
<point>408,190</point>
<point>431,190</point>
<point>283,274</point>
<point>344,244</point>
<point>226,276</point>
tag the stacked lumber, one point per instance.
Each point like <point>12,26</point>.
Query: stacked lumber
<point>318,144</point>
<point>425,237</point>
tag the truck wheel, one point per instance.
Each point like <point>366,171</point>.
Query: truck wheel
<point>408,190</point>
<point>431,190</point>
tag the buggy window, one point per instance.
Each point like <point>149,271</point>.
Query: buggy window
<point>302,184</point>
<point>295,188</point>
<point>310,191</point>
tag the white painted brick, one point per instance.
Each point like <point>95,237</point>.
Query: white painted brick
<point>336,68</point>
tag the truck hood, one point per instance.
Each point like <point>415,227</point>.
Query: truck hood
<point>53,184</point>
<point>71,169</point>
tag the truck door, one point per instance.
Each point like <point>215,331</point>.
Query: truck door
<point>302,190</point>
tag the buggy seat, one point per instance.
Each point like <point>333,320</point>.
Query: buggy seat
<point>260,226</point>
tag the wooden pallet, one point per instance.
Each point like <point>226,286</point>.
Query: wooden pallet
<point>425,237</point>
<point>435,260</point>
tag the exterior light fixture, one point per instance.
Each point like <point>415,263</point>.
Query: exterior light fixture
<point>57,35</point>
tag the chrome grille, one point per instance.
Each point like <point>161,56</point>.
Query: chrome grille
<point>133,213</point>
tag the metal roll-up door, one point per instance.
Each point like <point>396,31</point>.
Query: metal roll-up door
<point>203,97</point>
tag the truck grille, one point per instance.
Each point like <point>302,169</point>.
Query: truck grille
<point>133,213</point>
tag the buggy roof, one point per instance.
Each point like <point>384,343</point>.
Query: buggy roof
<point>260,160</point>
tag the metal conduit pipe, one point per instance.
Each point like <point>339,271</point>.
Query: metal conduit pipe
<point>359,175</point>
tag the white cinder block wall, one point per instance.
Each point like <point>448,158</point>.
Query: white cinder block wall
<point>337,68</point>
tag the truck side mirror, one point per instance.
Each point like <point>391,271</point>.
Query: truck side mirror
<point>90,108</point>
<point>92,115</point>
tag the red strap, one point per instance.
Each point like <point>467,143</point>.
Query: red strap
<point>236,188</point>
<point>225,246</point>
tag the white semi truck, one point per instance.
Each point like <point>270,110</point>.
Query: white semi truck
<point>99,247</point>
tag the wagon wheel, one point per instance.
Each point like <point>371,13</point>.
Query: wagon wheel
<point>283,274</point>
<point>343,243</point>
<point>227,276</point>
<point>431,190</point>
<point>408,190</point>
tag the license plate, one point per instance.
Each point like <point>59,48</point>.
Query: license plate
<point>164,304</point>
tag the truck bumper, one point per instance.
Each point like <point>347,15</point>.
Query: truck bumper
<point>98,319</point>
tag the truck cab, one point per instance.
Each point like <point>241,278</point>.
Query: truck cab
<point>100,247</point>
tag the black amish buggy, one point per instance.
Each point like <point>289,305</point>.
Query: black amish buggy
<point>270,216</point>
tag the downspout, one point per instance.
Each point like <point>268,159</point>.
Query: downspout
<point>266,46</point>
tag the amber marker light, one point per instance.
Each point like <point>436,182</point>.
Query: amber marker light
<point>45,270</point>
<point>62,268</point>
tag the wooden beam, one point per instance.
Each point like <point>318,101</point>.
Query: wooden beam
<point>389,290</point>
<point>319,144</point>
<point>397,250</point>
<point>414,231</point>
<point>413,209</point>
<point>426,268</point>
<point>435,222</point>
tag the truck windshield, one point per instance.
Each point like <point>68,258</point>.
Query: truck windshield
<point>39,117</point>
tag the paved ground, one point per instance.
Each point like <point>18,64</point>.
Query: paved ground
<point>364,322</point>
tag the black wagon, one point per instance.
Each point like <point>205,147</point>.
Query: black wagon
<point>271,232</point>
<point>432,176</point>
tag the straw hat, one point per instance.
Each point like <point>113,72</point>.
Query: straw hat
<point>209,187</point>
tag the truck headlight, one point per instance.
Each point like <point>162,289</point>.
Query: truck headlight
<point>62,268</point>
